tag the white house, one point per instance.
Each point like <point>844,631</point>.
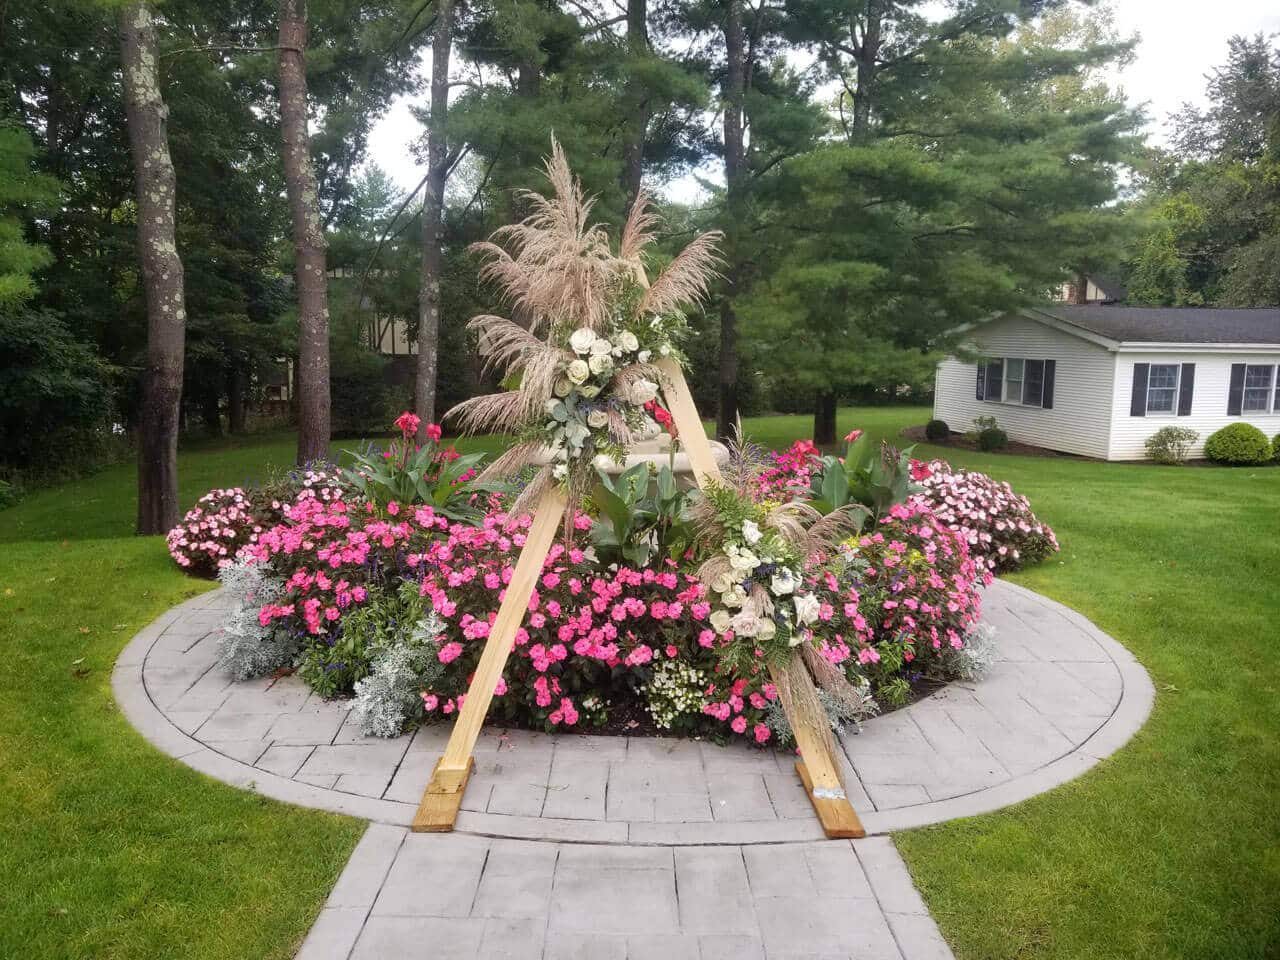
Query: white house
<point>1098,380</point>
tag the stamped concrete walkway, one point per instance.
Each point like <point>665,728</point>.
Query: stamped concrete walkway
<point>606,847</point>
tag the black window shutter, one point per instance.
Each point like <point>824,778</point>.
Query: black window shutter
<point>1050,372</point>
<point>982,381</point>
<point>1235,394</point>
<point>1186,387</point>
<point>1138,403</point>
<point>995,379</point>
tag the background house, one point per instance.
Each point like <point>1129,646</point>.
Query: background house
<point>1098,380</point>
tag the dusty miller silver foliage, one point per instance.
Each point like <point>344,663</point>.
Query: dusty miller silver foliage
<point>387,697</point>
<point>975,657</point>
<point>247,648</point>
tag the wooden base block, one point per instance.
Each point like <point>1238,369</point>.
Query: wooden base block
<point>836,815</point>
<point>441,802</point>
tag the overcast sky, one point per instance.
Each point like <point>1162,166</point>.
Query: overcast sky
<point>1180,42</point>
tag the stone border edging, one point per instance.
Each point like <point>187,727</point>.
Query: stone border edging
<point>1136,702</point>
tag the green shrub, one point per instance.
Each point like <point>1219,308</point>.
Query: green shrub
<point>937,431</point>
<point>992,438</point>
<point>1275,447</point>
<point>1171,444</point>
<point>1238,443</point>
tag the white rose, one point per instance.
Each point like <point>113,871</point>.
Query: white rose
<point>600,363</point>
<point>600,347</point>
<point>768,630</point>
<point>720,621</point>
<point>806,608</point>
<point>744,560</point>
<point>562,387</point>
<point>582,339</point>
<point>644,356</point>
<point>628,341</point>
<point>642,391</point>
<point>722,583</point>
<point>578,371</point>
<point>745,625</point>
<point>783,583</point>
<point>734,597</point>
<point>597,419</point>
<point>751,532</point>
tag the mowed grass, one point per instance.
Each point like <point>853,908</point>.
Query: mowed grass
<point>1169,849</point>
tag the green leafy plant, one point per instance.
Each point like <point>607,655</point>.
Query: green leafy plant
<point>416,469</point>
<point>992,438</point>
<point>875,479</point>
<point>937,431</point>
<point>641,516</point>
<point>1275,447</point>
<point>1240,443</point>
<point>1171,444</point>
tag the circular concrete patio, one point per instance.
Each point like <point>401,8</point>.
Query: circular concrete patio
<point>1061,696</point>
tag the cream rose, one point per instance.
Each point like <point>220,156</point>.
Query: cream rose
<point>600,363</point>
<point>578,371</point>
<point>642,391</point>
<point>768,630</point>
<point>562,387</point>
<point>600,347</point>
<point>720,621</point>
<point>582,339</point>
<point>597,419</point>
<point>806,608</point>
<point>722,583</point>
<point>783,583</point>
<point>627,340</point>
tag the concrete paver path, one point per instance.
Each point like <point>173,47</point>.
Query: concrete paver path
<point>607,847</point>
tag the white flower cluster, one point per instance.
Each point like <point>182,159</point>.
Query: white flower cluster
<point>793,606</point>
<point>675,690</point>
<point>389,695</point>
<point>247,648</point>
<point>578,415</point>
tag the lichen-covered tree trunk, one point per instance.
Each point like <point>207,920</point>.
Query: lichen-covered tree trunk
<point>145,117</point>
<point>734,93</point>
<point>308,238</point>
<point>424,398</point>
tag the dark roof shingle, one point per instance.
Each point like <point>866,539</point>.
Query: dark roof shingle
<point>1172,324</point>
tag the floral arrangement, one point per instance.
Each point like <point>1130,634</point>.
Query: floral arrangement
<point>998,524</point>
<point>789,470</point>
<point>583,358</point>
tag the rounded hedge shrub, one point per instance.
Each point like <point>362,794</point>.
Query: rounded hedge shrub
<point>1275,447</point>
<point>937,431</point>
<point>1238,443</point>
<point>992,438</point>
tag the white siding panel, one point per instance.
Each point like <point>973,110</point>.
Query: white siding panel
<point>1208,402</point>
<point>1080,421</point>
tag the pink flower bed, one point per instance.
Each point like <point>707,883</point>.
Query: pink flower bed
<point>998,525</point>
<point>211,533</point>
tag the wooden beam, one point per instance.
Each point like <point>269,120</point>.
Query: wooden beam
<point>684,413</point>
<point>439,807</point>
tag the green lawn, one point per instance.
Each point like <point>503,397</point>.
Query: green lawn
<point>1169,849</point>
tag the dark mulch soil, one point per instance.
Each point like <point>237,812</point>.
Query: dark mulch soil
<point>961,442</point>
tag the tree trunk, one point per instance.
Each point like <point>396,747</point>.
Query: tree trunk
<point>635,121</point>
<point>308,238</point>
<point>237,387</point>
<point>867,68</point>
<point>734,95</point>
<point>824,418</point>
<point>424,394</point>
<point>146,115</point>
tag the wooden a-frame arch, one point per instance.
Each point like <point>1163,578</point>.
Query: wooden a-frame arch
<point>440,804</point>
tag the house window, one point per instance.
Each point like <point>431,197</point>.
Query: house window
<point>1013,369</point>
<point>1016,380</point>
<point>1162,388</point>
<point>1258,383</point>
